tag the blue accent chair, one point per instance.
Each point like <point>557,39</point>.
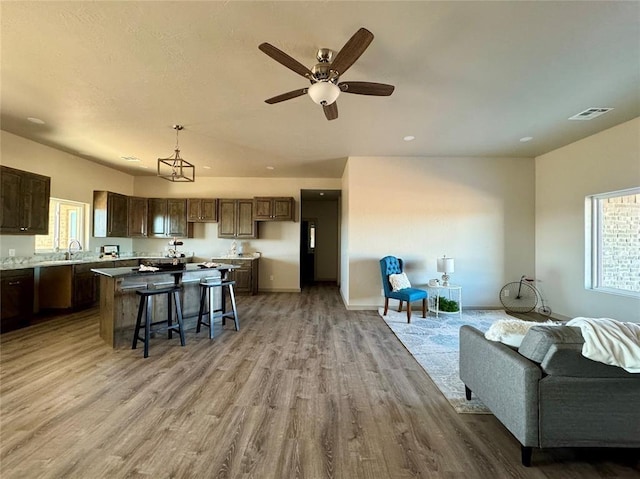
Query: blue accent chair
<point>392,265</point>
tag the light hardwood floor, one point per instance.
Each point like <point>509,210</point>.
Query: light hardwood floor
<point>305,389</point>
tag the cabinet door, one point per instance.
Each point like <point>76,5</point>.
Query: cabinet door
<point>282,209</point>
<point>86,290</point>
<point>157,217</point>
<point>262,208</point>
<point>193,209</point>
<point>16,301</point>
<point>227,219</point>
<point>117,217</point>
<point>177,218</point>
<point>138,211</point>
<point>246,227</point>
<point>11,212</point>
<point>36,191</point>
<point>209,210</point>
<point>242,277</point>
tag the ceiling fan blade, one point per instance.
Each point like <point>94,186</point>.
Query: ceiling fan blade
<point>331,111</point>
<point>284,59</point>
<point>366,88</point>
<point>286,96</point>
<point>351,51</point>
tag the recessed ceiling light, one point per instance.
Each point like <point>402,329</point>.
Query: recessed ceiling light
<point>144,166</point>
<point>271,167</point>
<point>524,139</point>
<point>409,138</point>
<point>207,167</point>
<point>37,121</point>
<point>129,158</point>
<point>321,194</point>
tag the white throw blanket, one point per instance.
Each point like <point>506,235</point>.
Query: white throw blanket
<point>611,342</point>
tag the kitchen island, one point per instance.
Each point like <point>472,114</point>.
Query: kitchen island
<point>119,301</point>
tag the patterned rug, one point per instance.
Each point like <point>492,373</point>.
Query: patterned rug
<point>434,343</point>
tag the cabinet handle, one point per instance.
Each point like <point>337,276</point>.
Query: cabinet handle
<point>14,283</point>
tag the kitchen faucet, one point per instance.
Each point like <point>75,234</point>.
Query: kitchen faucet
<point>71,243</point>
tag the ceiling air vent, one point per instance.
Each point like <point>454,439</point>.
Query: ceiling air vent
<point>590,113</point>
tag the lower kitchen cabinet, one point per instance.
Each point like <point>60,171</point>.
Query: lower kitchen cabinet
<point>245,275</point>
<point>16,304</point>
<point>86,285</point>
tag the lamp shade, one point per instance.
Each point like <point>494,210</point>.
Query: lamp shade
<point>445,265</point>
<point>324,92</point>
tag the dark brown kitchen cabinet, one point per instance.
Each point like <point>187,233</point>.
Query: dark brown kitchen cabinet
<point>110,215</point>
<point>167,218</point>
<point>86,284</point>
<point>202,210</point>
<point>273,209</point>
<point>25,202</point>
<point>137,218</point>
<point>245,274</point>
<point>16,291</point>
<point>235,219</point>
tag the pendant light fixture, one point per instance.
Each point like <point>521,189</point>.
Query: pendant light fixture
<point>175,168</point>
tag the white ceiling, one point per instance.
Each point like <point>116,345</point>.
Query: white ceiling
<point>472,78</point>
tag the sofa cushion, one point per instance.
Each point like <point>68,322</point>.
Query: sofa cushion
<point>539,339</point>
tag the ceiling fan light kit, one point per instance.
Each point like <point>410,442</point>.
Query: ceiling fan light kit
<point>175,168</point>
<point>324,92</point>
<point>325,75</point>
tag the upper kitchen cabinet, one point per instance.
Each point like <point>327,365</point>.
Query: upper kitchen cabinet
<point>137,218</point>
<point>110,215</point>
<point>202,210</point>
<point>236,219</point>
<point>167,217</point>
<point>273,209</point>
<point>25,202</point>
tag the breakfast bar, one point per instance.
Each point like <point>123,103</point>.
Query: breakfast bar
<point>119,302</point>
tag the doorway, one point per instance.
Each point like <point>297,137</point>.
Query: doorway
<point>319,237</point>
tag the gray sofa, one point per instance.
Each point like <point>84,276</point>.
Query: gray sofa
<point>547,394</point>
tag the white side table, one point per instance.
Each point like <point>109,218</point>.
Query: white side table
<point>453,291</point>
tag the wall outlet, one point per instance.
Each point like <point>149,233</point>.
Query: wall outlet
<point>12,252</point>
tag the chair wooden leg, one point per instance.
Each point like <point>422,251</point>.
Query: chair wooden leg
<point>386,306</point>
<point>424,308</point>
<point>408,311</point>
<point>399,306</point>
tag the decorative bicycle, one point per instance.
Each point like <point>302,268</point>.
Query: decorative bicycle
<point>522,297</point>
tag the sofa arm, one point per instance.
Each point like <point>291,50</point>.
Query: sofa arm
<point>504,381</point>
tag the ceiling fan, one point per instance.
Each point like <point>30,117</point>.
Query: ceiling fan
<point>325,75</point>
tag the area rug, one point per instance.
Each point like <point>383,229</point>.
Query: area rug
<point>434,343</point>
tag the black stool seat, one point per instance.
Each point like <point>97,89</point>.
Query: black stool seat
<point>206,286</point>
<point>146,302</point>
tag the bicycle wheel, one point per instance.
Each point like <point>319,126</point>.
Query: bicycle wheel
<point>518,297</point>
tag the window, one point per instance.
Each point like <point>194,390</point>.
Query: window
<point>613,242</point>
<point>66,223</point>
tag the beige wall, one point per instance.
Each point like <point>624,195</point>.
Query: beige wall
<point>72,178</point>
<point>607,161</point>
<point>478,210</point>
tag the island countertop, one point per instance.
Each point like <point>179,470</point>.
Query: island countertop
<point>123,272</point>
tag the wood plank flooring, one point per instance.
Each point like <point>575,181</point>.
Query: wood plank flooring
<point>305,389</point>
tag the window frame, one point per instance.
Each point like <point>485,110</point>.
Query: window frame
<point>594,245</point>
<point>82,220</point>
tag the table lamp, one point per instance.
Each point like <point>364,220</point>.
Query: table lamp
<point>446,266</point>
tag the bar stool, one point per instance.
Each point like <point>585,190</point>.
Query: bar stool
<point>146,302</point>
<point>206,285</point>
